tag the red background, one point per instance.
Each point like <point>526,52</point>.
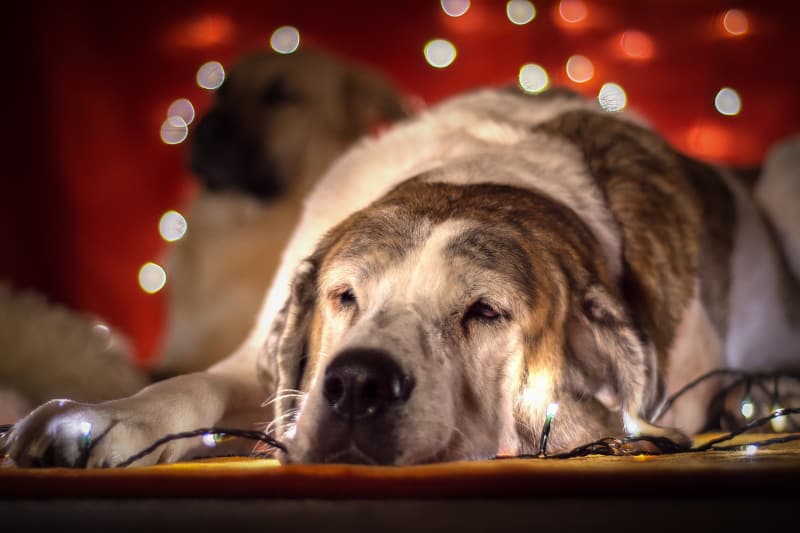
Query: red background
<point>87,84</point>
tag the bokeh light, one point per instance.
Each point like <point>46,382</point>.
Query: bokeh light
<point>174,130</point>
<point>285,39</point>
<point>455,8</point>
<point>439,53</point>
<point>709,140</point>
<point>210,75</point>
<point>520,11</point>
<point>533,78</point>
<point>183,108</point>
<point>172,226</point>
<point>728,102</point>
<point>152,278</point>
<point>204,31</point>
<point>636,45</point>
<point>572,11</point>
<point>735,22</point>
<point>612,97</point>
<point>580,69</point>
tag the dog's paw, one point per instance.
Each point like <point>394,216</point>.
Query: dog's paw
<point>70,434</point>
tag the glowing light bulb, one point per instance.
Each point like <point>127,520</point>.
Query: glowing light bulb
<point>612,97</point>
<point>210,439</point>
<point>539,391</point>
<point>183,108</point>
<point>103,333</point>
<point>455,8</point>
<point>779,422</point>
<point>172,226</point>
<point>751,449</point>
<point>747,407</point>
<point>552,409</point>
<point>174,130</point>
<point>285,39</point>
<point>152,278</point>
<point>632,427</point>
<point>572,11</point>
<point>520,12</point>
<point>439,53</point>
<point>210,75</point>
<point>533,78</point>
<point>735,22</point>
<point>728,102</point>
<point>579,69</point>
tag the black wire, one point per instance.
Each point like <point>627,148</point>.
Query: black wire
<point>742,374</point>
<point>667,405</point>
<point>605,446</point>
<point>243,433</point>
<point>760,444</point>
<point>747,427</point>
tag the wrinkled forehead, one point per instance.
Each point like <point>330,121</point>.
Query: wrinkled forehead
<point>466,249</point>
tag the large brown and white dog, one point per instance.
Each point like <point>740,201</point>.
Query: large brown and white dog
<point>452,278</point>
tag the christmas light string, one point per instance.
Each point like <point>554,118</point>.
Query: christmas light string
<point>609,446</point>
<point>241,433</point>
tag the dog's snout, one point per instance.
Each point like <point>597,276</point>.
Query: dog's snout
<point>361,383</point>
<point>215,127</point>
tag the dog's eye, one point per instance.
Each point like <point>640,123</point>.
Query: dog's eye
<point>276,93</point>
<point>345,299</point>
<point>481,310</point>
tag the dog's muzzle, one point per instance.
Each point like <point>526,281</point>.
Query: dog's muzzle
<point>363,391</point>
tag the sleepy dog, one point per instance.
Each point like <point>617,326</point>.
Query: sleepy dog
<point>275,126</point>
<point>451,279</point>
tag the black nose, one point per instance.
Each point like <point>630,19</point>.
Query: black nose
<point>361,383</point>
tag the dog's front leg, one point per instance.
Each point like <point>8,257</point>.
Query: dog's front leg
<point>66,433</point>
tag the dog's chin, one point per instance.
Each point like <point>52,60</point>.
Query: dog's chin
<point>354,456</point>
<point>351,453</point>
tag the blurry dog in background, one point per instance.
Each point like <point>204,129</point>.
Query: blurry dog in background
<point>276,124</point>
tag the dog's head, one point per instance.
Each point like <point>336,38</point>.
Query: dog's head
<point>440,322</point>
<point>279,119</point>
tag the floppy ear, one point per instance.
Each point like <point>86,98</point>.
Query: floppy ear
<point>285,345</point>
<point>620,360</point>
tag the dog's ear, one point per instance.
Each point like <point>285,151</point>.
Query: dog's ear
<point>618,360</point>
<point>286,343</point>
<point>371,102</point>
